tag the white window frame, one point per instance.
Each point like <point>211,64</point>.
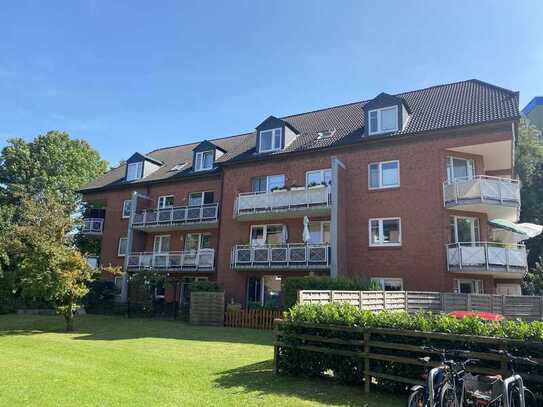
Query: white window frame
<point>380,166</point>
<point>160,297</point>
<point>202,193</point>
<point>379,113</point>
<point>273,146</point>
<point>125,203</point>
<point>478,285</point>
<point>119,287</point>
<point>139,170</point>
<point>381,281</point>
<point>262,291</point>
<point>321,225</point>
<point>265,227</point>
<point>200,238</point>
<point>321,174</point>
<point>162,200</point>
<point>381,233</point>
<point>450,168</point>
<point>160,238</point>
<point>474,238</point>
<point>119,246</point>
<point>199,158</point>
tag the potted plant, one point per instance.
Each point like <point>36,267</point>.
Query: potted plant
<point>314,185</point>
<point>279,189</point>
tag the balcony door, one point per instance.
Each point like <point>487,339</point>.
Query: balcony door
<point>464,229</point>
<point>161,244</point>
<point>319,232</point>
<point>268,234</point>
<point>200,198</point>
<point>267,183</point>
<point>197,241</point>
<point>459,169</point>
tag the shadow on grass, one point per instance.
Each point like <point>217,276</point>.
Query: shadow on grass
<point>259,378</point>
<point>111,328</point>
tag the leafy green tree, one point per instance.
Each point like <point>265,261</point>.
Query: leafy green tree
<point>51,164</point>
<point>529,167</point>
<point>47,264</point>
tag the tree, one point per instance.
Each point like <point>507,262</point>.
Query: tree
<point>51,164</point>
<point>47,264</point>
<point>529,167</point>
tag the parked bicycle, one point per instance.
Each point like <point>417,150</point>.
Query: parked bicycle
<point>444,384</point>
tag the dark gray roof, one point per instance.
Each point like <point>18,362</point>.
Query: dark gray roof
<point>459,104</point>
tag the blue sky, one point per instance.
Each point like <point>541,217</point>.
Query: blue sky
<point>137,75</point>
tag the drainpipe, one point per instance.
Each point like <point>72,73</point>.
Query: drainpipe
<point>336,164</point>
<point>129,239</point>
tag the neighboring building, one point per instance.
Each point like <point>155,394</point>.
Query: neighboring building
<point>398,189</point>
<point>534,112</point>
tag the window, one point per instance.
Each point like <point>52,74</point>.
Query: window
<point>318,177</point>
<point>267,234</point>
<point>459,168</point>
<point>389,284</point>
<point>325,134</point>
<point>134,171</point>
<point>264,291</point>
<point>200,198</point>
<point>197,241</point>
<point>385,232</point>
<point>204,161</point>
<point>384,174</point>
<point>123,246</point>
<point>126,208</point>
<point>270,140</point>
<point>160,290</point>
<point>165,201</point>
<point>118,281</point>
<point>161,244</point>
<point>319,232</point>
<point>383,120</point>
<point>469,286</point>
<point>267,183</point>
<point>463,229</point>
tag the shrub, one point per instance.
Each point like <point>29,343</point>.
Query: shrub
<point>208,286</point>
<point>292,285</point>
<point>101,297</point>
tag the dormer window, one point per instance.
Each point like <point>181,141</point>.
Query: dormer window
<point>384,120</point>
<point>204,161</point>
<point>270,140</point>
<point>134,171</point>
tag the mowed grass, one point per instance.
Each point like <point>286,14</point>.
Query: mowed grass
<point>115,361</point>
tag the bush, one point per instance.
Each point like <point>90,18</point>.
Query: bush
<point>305,319</point>
<point>292,285</point>
<point>208,286</point>
<point>101,297</point>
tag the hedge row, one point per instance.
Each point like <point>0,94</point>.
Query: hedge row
<point>349,315</point>
<point>292,285</point>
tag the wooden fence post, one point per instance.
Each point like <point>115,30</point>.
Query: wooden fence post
<point>405,299</point>
<point>360,299</point>
<point>385,300</point>
<point>468,303</point>
<point>367,377</point>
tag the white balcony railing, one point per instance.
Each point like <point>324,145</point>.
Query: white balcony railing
<point>291,255</point>
<point>203,259</point>
<point>482,188</point>
<point>93,226</point>
<point>177,215</point>
<point>486,256</point>
<point>283,200</point>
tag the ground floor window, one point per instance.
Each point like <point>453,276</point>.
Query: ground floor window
<point>264,291</point>
<point>466,286</point>
<point>389,284</point>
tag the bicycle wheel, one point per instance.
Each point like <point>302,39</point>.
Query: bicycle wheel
<point>416,399</point>
<point>448,397</point>
<point>514,396</point>
<point>529,398</point>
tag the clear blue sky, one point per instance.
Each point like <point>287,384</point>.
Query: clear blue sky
<point>137,75</point>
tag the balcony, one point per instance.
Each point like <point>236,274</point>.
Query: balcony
<point>296,202</point>
<point>177,218</point>
<point>292,256</point>
<point>498,197</point>
<point>202,260</point>
<point>93,226</point>
<point>485,258</point>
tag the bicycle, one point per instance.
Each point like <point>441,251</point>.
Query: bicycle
<point>444,384</point>
<point>494,391</point>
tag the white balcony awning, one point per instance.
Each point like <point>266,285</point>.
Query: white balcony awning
<point>519,231</point>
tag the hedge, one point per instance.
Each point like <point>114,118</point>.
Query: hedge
<point>208,286</point>
<point>305,320</point>
<point>292,285</point>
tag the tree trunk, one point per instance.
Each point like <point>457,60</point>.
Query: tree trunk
<point>69,317</point>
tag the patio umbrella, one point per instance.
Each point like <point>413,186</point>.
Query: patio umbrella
<point>306,235</point>
<point>520,231</point>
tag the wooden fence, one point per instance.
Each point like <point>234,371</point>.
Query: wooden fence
<point>380,352</point>
<point>524,307</point>
<point>256,318</point>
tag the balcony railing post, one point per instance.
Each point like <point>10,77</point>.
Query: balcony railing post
<point>507,258</point>
<point>460,261</point>
<point>486,256</point>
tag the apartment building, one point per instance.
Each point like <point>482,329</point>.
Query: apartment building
<point>399,189</point>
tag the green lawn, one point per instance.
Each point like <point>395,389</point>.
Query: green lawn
<point>114,361</point>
